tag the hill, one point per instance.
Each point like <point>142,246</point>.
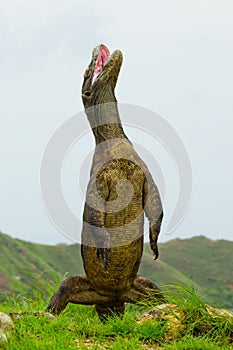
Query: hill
<point>26,266</point>
<point>208,263</point>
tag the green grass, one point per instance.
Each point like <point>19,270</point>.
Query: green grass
<point>207,263</point>
<point>78,327</point>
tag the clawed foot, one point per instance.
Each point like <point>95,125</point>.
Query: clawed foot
<point>57,304</point>
<point>103,253</point>
<point>154,248</point>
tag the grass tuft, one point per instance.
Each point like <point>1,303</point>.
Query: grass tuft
<point>78,327</point>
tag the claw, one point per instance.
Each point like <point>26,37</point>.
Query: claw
<point>154,248</point>
<point>103,253</point>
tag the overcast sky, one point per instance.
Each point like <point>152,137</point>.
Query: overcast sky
<point>177,62</point>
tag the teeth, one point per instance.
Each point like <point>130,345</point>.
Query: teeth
<point>94,78</point>
<point>98,71</point>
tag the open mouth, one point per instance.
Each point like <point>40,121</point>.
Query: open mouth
<point>102,59</point>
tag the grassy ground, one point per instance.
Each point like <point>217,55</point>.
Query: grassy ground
<point>78,327</point>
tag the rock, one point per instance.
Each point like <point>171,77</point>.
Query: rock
<point>169,313</point>
<point>18,315</point>
<point>176,318</point>
<point>6,326</point>
<point>218,312</point>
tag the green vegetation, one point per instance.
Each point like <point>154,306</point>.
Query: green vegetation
<point>30,273</point>
<point>79,327</point>
<point>26,265</point>
<point>207,263</point>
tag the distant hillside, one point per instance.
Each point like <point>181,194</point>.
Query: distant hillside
<point>208,263</point>
<point>22,263</point>
<point>27,266</point>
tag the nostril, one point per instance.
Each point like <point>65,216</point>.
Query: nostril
<point>87,93</point>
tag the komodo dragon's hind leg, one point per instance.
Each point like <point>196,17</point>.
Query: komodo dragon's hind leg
<point>143,290</point>
<point>77,290</point>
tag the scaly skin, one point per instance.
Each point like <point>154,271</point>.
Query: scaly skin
<point>119,192</point>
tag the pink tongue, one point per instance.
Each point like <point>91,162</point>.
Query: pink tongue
<point>102,58</point>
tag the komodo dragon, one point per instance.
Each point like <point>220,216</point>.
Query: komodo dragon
<point>120,190</point>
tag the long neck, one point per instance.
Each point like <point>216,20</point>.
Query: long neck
<point>108,123</point>
<point>104,118</point>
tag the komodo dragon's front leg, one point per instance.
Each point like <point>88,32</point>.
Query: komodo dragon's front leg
<point>94,218</point>
<point>153,210</point>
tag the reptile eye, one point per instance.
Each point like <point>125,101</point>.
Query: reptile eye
<point>87,93</point>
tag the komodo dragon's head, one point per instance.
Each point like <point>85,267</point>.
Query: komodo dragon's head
<point>101,76</point>
<point>98,94</point>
